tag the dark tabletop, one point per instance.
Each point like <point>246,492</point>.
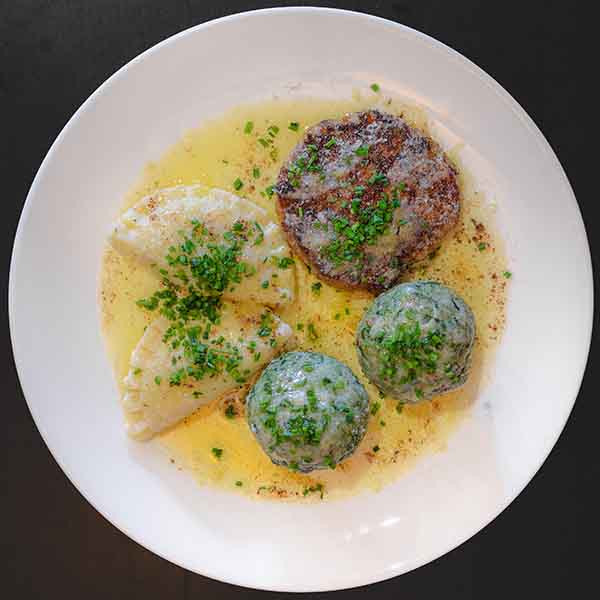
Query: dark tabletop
<point>53,54</point>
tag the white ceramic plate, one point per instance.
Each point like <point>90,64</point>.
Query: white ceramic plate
<point>60,356</point>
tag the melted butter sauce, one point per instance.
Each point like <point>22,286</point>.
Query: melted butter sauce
<point>471,262</point>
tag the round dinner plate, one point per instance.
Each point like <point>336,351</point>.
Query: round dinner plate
<point>54,316</point>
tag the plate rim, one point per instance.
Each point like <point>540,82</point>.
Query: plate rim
<point>509,101</point>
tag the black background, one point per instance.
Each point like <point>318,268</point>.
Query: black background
<point>52,56</point>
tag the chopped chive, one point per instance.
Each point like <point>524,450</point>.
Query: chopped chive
<point>507,274</point>
<point>283,262</point>
<point>314,488</point>
<point>378,178</point>
<point>148,303</point>
<point>376,448</point>
<point>362,150</point>
<point>256,172</point>
<point>294,126</point>
<point>339,385</point>
<point>217,452</point>
<point>157,380</point>
<point>481,246</point>
<point>248,127</point>
<point>331,143</point>
<point>137,371</point>
<point>261,234</point>
<point>264,285</point>
<point>238,184</point>
<point>375,87</point>
<point>239,484</point>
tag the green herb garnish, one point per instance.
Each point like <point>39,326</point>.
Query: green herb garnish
<point>329,462</point>
<point>378,179</point>
<point>314,488</point>
<point>266,325</point>
<point>148,303</point>
<point>260,236</point>
<point>352,236</point>
<point>409,349</point>
<point>306,163</point>
<point>283,262</point>
<point>192,285</point>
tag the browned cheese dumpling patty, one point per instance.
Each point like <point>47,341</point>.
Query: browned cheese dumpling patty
<point>363,197</point>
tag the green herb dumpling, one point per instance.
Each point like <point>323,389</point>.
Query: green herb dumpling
<point>308,411</point>
<point>415,341</point>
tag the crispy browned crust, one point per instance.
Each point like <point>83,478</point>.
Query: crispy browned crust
<point>299,250</point>
<point>430,200</point>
